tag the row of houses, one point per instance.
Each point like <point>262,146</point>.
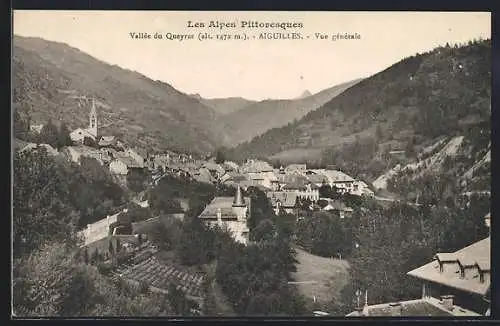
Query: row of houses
<point>295,178</point>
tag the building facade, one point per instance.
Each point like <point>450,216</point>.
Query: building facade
<point>229,213</point>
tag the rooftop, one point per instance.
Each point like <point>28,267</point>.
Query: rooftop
<point>128,161</point>
<point>225,205</point>
<point>298,182</point>
<point>317,178</point>
<point>106,140</point>
<point>428,307</point>
<point>477,253</point>
<point>254,166</point>
<point>287,199</point>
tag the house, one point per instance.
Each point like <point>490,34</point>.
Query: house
<point>99,230</point>
<point>231,166</point>
<point>281,200</point>
<point>360,188</point>
<point>341,181</point>
<point>231,213</point>
<point>464,274</point>
<point>245,184</point>
<point>454,284</point>
<point>107,141</point>
<point>78,135</point>
<point>122,164</point>
<point>160,161</point>
<point>318,179</point>
<point>296,168</point>
<point>337,207</point>
<point>215,170</point>
<point>36,128</point>
<point>461,279</point>
<point>133,154</point>
<point>75,153</point>
<point>258,170</point>
<point>203,175</point>
<point>266,179</point>
<point>30,146</point>
<point>302,187</point>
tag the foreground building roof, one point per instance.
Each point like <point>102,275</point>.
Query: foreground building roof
<point>475,257</point>
<point>224,205</point>
<point>426,307</point>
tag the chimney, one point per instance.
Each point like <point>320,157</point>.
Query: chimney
<point>395,309</point>
<point>447,301</point>
<point>359,311</point>
<point>219,215</point>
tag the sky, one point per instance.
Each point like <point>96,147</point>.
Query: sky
<point>254,69</point>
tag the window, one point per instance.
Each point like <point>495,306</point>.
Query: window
<point>481,277</point>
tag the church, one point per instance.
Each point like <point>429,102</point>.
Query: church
<point>78,135</point>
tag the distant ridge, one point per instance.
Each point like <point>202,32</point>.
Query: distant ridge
<point>224,105</point>
<point>259,117</point>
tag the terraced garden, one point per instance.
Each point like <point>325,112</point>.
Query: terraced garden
<point>153,273</point>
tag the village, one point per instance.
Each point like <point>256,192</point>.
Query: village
<point>295,190</point>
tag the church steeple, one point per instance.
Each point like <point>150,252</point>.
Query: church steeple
<point>238,198</point>
<point>93,120</point>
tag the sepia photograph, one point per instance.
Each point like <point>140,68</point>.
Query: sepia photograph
<point>250,163</point>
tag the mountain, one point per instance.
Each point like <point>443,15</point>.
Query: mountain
<point>259,117</point>
<point>224,105</point>
<point>393,116</point>
<point>56,81</point>
<point>304,94</point>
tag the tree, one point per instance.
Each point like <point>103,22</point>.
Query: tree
<point>136,180</point>
<point>220,155</point>
<point>110,248</point>
<point>378,132</point>
<point>118,245</point>
<point>40,198</point>
<point>64,138</point>
<point>177,300</point>
<point>20,126</point>
<point>135,213</point>
<point>87,141</point>
<point>197,244</point>
<point>264,231</point>
<point>50,283</point>
<point>261,207</point>
<point>325,191</point>
<point>86,255</point>
<point>49,134</point>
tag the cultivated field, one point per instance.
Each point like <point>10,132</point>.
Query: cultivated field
<point>323,278</point>
<point>154,273</point>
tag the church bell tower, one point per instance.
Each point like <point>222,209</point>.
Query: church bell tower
<point>93,120</point>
